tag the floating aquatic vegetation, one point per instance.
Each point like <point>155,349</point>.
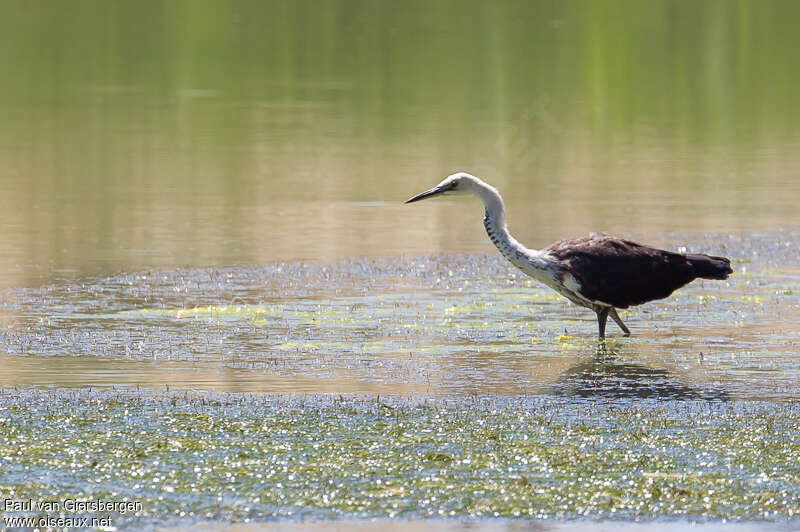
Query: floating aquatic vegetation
<point>233,457</point>
<point>460,324</point>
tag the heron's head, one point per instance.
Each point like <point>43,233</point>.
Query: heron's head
<point>459,183</point>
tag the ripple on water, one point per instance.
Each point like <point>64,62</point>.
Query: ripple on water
<point>430,325</point>
<point>258,457</point>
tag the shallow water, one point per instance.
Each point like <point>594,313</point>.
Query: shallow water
<point>459,325</point>
<point>218,457</point>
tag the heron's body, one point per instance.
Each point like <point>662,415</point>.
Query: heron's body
<point>599,271</point>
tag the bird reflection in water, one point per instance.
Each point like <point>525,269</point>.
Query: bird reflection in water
<point>605,376</point>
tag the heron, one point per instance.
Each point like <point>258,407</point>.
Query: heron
<point>600,272</point>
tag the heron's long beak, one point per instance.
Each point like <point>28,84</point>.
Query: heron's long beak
<point>427,194</point>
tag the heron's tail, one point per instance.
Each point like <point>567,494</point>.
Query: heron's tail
<point>709,267</point>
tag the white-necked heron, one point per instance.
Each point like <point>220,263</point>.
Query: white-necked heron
<point>599,271</point>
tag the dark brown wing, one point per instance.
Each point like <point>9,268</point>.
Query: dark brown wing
<point>622,273</point>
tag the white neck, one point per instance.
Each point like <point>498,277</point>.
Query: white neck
<point>532,262</point>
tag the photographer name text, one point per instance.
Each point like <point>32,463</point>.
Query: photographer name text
<point>71,506</point>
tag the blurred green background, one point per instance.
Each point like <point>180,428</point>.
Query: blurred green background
<point>193,133</point>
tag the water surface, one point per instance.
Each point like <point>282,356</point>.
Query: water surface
<point>527,460</point>
<point>194,134</point>
<point>458,325</point>
<point>208,196</point>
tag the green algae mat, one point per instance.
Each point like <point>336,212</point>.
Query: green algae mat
<point>182,457</point>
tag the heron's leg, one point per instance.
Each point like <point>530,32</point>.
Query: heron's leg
<point>602,316</point>
<point>617,319</point>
